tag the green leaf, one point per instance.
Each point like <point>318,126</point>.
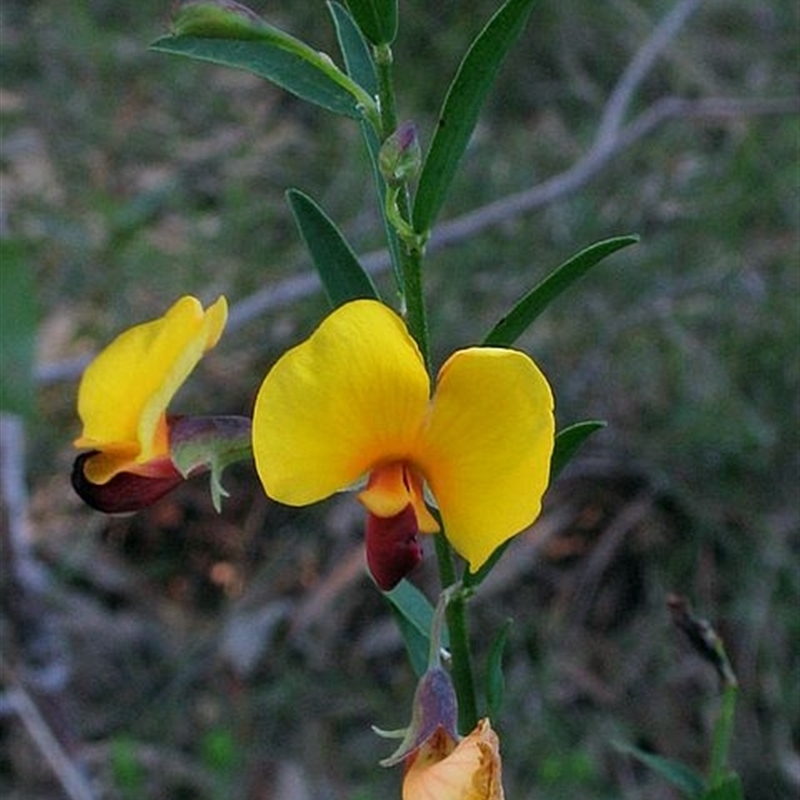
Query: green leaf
<point>567,442</point>
<point>678,774</point>
<point>18,318</point>
<point>343,277</point>
<point>376,18</point>
<point>495,679</point>
<point>272,54</point>
<point>414,615</point>
<point>417,645</point>
<point>514,324</point>
<point>461,108</point>
<point>355,50</point>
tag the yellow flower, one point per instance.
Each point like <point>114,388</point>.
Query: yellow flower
<point>124,393</point>
<point>353,403</point>
<point>442,769</point>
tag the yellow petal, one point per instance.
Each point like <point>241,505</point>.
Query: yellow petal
<point>470,772</point>
<point>351,396</point>
<point>124,392</point>
<point>487,447</point>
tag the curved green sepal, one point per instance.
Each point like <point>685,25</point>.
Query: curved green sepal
<point>210,443</point>
<point>514,324</point>
<point>461,108</point>
<point>342,275</point>
<point>376,18</point>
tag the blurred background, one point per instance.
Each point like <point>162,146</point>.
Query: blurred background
<point>180,654</point>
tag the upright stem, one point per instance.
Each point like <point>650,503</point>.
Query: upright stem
<point>409,251</point>
<point>411,254</point>
<point>461,670</point>
<point>388,108</point>
<point>723,733</point>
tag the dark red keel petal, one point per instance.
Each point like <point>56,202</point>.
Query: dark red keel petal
<point>126,491</point>
<point>393,548</point>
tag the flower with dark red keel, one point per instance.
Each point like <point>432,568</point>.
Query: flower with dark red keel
<point>352,407</point>
<point>136,452</point>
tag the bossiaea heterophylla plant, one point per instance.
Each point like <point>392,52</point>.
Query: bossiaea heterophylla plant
<point>460,456</point>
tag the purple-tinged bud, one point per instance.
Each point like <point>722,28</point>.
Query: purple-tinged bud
<point>434,714</point>
<point>400,157</point>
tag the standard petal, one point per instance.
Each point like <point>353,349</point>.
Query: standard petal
<point>351,396</point>
<point>487,446</point>
<point>124,392</point>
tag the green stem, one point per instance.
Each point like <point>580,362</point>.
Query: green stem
<point>461,670</point>
<point>388,108</point>
<point>723,732</point>
<point>410,250</point>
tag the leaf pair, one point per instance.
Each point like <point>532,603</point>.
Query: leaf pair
<point>229,34</point>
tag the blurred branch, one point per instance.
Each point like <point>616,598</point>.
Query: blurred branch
<point>28,624</point>
<point>24,581</point>
<point>70,777</point>
<point>612,138</point>
<point>646,56</point>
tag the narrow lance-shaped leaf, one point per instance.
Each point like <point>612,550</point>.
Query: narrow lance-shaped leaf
<point>376,18</point>
<point>461,108</point>
<point>678,774</point>
<point>355,50</point>
<point>415,616</point>
<point>568,441</point>
<point>222,35</point>
<point>514,324</point>
<point>495,679</point>
<point>342,275</point>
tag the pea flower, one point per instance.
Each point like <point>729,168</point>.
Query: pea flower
<point>352,407</point>
<point>136,452</point>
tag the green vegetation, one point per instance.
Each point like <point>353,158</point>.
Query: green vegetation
<point>211,654</point>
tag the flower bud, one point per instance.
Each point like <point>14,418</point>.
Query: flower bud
<point>400,156</point>
<point>434,714</point>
